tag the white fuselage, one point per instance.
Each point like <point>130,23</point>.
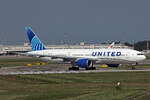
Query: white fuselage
<point>104,56</point>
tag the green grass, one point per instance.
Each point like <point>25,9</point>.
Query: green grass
<point>83,86</point>
<point>8,62</point>
<point>141,66</point>
<point>144,98</point>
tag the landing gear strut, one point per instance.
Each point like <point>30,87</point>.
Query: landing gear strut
<point>133,66</point>
<point>91,67</point>
<point>73,66</point>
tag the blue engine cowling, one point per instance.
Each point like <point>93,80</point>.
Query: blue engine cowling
<point>84,63</point>
<point>113,65</point>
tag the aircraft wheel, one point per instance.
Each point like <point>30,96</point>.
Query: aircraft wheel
<point>73,68</point>
<point>133,67</point>
<point>90,68</point>
<point>70,68</point>
<point>94,68</point>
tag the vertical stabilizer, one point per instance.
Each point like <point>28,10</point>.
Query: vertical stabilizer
<point>111,46</point>
<point>35,42</point>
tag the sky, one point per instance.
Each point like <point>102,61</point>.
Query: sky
<point>90,21</point>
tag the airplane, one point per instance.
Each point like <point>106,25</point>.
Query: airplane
<point>83,58</point>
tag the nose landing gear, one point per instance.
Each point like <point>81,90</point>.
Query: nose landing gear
<point>133,66</point>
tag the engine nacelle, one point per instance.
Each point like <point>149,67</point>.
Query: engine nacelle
<point>84,63</point>
<point>50,59</point>
<point>113,65</point>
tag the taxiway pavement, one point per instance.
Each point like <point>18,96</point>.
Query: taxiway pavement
<point>59,68</point>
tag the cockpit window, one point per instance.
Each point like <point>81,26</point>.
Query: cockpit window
<point>140,54</point>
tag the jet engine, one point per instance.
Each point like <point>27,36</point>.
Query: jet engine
<point>84,63</point>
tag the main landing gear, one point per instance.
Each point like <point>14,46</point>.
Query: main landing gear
<point>77,68</point>
<point>90,68</point>
<point>73,66</point>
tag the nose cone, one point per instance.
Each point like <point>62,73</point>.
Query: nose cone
<point>142,57</point>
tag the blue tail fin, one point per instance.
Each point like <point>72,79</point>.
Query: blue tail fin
<point>35,42</point>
